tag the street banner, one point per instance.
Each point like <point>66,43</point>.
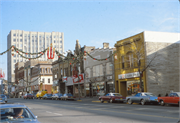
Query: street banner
<point>81,77</point>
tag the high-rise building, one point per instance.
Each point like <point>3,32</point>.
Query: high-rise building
<point>31,42</point>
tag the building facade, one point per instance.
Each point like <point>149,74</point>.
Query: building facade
<point>31,42</point>
<point>153,58</point>
<point>99,75</point>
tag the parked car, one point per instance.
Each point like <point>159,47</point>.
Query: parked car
<point>47,96</point>
<point>28,96</point>
<point>40,94</point>
<point>142,98</point>
<point>13,113</point>
<point>56,96</point>
<point>68,97</point>
<point>112,97</point>
<point>3,98</point>
<point>173,98</point>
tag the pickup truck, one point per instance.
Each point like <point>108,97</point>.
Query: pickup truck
<point>173,98</point>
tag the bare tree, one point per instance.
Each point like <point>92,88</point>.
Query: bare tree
<point>139,51</point>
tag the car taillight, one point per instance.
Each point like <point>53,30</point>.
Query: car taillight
<point>69,97</point>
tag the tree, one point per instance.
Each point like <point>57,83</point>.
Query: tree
<point>141,55</point>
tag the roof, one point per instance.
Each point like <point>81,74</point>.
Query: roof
<point>12,106</point>
<point>163,37</point>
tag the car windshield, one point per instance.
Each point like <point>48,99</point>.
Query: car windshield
<point>149,94</point>
<point>117,95</point>
<point>16,114</point>
<point>49,94</point>
<point>60,94</point>
<point>69,95</point>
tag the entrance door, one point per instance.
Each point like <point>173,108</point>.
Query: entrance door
<point>123,87</point>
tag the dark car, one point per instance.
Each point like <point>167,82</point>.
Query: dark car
<point>68,97</point>
<point>47,96</point>
<point>112,97</point>
<point>16,113</point>
<point>56,96</point>
<point>28,96</point>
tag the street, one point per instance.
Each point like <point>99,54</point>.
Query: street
<point>57,111</point>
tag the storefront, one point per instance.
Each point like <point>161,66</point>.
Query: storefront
<point>78,87</point>
<point>129,84</point>
<point>69,85</point>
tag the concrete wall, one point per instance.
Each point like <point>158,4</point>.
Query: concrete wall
<point>163,74</point>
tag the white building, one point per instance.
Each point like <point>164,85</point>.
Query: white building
<point>32,42</point>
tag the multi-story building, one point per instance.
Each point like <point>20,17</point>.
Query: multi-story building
<point>41,77</point>
<point>148,61</point>
<point>31,42</point>
<point>99,75</point>
<point>19,79</point>
<point>65,73</point>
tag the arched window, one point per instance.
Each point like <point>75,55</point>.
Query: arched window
<point>129,60</point>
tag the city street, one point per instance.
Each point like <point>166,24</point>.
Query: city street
<point>57,111</point>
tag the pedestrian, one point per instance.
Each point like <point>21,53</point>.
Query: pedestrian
<point>159,95</point>
<point>166,95</point>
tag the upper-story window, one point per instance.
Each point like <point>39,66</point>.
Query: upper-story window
<point>109,67</point>
<point>88,73</point>
<point>21,35</point>
<point>54,36</point>
<point>14,40</point>
<point>20,40</point>
<point>122,60</point>
<point>130,59</point>
<point>97,70</point>
<point>14,34</point>
<point>48,80</point>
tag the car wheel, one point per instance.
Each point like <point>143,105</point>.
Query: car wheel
<point>111,101</point>
<point>129,101</point>
<point>162,103</point>
<point>5,101</point>
<point>102,100</point>
<point>143,102</point>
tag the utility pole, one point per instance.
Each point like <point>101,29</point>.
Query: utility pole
<point>77,65</point>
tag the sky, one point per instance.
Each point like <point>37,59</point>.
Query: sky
<point>92,22</point>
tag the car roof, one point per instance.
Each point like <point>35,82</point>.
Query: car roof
<point>13,106</point>
<point>113,93</point>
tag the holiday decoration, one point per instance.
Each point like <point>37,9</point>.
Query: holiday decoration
<point>51,55</point>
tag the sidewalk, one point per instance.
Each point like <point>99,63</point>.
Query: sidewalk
<point>89,99</point>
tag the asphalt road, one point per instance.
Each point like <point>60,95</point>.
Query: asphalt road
<point>57,111</point>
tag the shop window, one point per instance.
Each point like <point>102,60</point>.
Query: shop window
<point>48,80</point>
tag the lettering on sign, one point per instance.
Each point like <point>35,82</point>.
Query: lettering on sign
<point>128,75</point>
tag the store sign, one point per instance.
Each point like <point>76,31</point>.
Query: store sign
<point>65,79</point>
<point>81,78</point>
<point>109,77</point>
<point>129,75</point>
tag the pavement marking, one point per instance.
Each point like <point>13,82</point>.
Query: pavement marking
<point>58,114</point>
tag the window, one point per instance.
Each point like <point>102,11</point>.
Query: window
<point>130,62</point>
<point>14,40</point>
<point>60,41</point>
<point>88,73</point>
<point>109,67</point>
<point>14,61</point>
<point>54,41</point>
<point>14,55</point>
<point>48,80</point>
<point>20,40</point>
<point>122,60</point>
<point>98,70</point>
<point>21,35</point>
<point>14,34</point>
<point>43,80</point>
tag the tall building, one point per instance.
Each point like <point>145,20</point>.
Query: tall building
<point>32,42</point>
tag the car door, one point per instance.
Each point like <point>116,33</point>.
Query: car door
<point>175,98</point>
<point>106,97</point>
<point>170,98</point>
<point>136,97</point>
